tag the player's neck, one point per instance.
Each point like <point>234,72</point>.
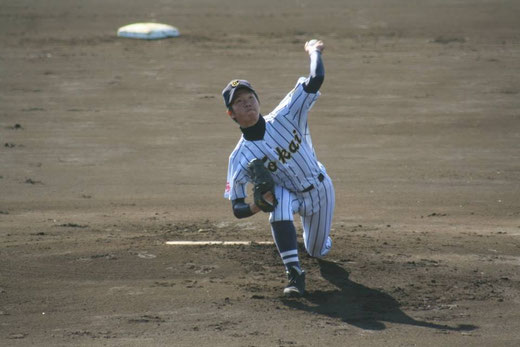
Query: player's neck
<point>255,132</point>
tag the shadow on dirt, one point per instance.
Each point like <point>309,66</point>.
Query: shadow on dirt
<point>358,305</point>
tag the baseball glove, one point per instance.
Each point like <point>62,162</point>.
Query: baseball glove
<point>263,182</point>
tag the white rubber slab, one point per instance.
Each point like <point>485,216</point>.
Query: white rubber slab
<point>148,31</point>
<point>222,243</point>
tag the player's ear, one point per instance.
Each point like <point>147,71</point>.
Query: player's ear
<point>230,114</point>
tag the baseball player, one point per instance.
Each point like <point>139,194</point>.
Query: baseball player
<point>280,144</point>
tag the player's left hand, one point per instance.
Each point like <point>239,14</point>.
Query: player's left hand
<point>269,197</point>
<point>263,184</point>
<point>314,45</point>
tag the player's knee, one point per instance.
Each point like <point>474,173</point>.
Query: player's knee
<point>315,253</point>
<point>320,252</point>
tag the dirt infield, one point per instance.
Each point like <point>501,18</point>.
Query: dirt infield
<point>110,147</point>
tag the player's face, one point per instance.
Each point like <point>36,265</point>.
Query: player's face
<point>245,109</point>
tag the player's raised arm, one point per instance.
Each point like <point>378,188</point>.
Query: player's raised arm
<point>317,73</point>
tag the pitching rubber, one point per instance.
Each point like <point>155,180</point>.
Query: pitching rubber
<point>222,243</point>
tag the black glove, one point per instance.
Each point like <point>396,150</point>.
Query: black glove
<point>263,182</point>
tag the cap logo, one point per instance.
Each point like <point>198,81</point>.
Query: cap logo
<point>235,83</point>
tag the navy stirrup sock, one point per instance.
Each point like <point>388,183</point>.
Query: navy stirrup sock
<point>284,234</point>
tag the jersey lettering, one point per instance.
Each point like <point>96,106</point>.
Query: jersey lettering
<point>296,137</point>
<point>294,146</point>
<point>284,154</point>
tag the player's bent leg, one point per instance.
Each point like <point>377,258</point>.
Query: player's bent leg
<point>316,235</point>
<point>316,227</point>
<point>282,227</point>
<point>284,235</point>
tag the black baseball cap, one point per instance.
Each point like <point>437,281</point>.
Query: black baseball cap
<point>232,87</point>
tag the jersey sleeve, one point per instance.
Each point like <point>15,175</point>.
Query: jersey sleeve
<point>296,105</point>
<point>237,178</point>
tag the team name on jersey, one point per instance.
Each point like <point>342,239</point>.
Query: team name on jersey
<point>285,154</point>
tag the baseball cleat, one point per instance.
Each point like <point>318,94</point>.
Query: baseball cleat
<point>296,286</point>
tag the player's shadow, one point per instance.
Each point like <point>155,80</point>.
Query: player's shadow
<point>358,305</point>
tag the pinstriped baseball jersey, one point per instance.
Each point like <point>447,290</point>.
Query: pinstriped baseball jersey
<point>286,148</point>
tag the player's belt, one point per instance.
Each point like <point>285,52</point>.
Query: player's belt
<point>311,187</point>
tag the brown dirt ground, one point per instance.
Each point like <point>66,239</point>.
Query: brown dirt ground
<point>110,147</point>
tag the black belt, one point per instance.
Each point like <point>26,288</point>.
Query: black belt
<point>311,187</point>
